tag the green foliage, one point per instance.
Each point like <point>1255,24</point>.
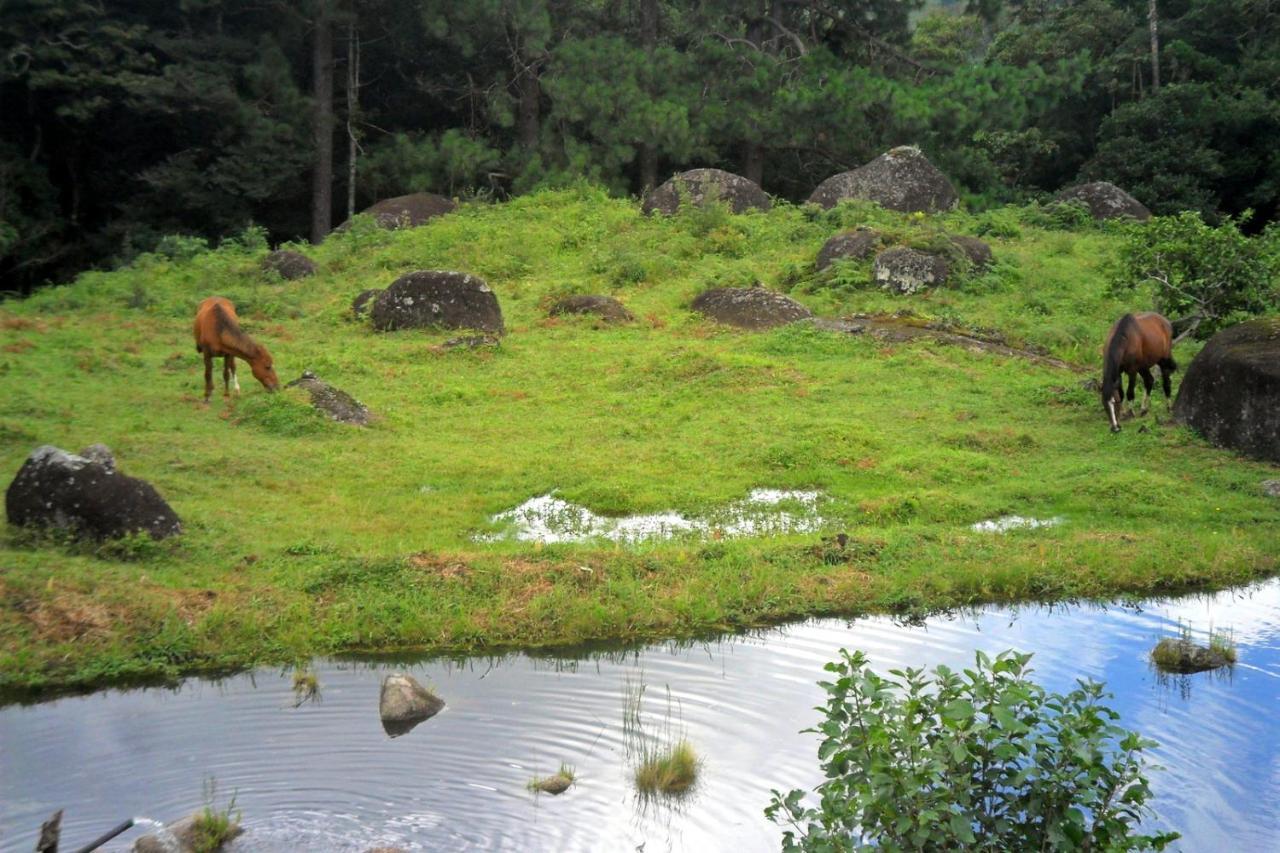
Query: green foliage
<point>980,760</point>
<point>1204,277</point>
<point>214,826</point>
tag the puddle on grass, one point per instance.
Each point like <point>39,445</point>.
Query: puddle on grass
<point>1015,522</point>
<point>763,512</point>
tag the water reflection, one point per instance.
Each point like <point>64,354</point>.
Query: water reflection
<point>324,776</point>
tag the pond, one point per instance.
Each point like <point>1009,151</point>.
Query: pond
<point>324,776</point>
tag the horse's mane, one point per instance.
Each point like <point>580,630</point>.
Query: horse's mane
<point>1113,353</point>
<point>229,329</point>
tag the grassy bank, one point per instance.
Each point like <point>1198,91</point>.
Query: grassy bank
<point>308,537</point>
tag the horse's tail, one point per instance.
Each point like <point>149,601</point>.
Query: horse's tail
<point>1113,354</point>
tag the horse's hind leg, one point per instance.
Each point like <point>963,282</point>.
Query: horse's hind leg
<point>1167,366</point>
<point>1148,382</point>
<point>1133,380</point>
<point>208,376</point>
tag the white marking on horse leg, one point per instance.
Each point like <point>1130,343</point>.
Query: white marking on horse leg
<point>1111,409</point>
<point>235,383</point>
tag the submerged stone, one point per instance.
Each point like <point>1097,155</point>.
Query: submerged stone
<point>1185,657</point>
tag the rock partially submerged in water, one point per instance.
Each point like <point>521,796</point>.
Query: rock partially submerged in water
<point>405,703</point>
<point>750,307</point>
<point>181,836</point>
<point>289,265</point>
<point>334,402</point>
<point>700,187</point>
<point>553,785</point>
<point>1231,392</point>
<point>901,179</point>
<point>605,307</point>
<point>86,496</point>
<point>1185,657</point>
<point>437,298</point>
<point>906,271</point>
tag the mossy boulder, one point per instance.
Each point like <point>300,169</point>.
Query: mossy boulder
<point>750,307</point>
<point>1231,391</point>
<point>1185,657</point>
<point>700,187</point>
<point>1105,200</point>
<point>404,703</point>
<point>409,211</point>
<point>605,307</point>
<point>334,402</point>
<point>85,496</point>
<point>977,251</point>
<point>289,265</point>
<point>182,836</point>
<point>437,299</point>
<point>904,270</point>
<point>856,245</point>
<point>901,179</point>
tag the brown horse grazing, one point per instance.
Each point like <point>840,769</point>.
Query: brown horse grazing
<point>218,334</point>
<point>1135,344</point>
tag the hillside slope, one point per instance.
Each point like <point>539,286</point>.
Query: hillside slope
<point>308,537</point>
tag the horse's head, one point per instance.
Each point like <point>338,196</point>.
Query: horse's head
<point>264,370</point>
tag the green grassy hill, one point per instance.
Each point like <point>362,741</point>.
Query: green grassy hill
<point>305,536</point>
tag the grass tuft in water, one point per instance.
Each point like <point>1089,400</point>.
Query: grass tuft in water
<point>556,783</point>
<point>214,827</point>
<point>669,769</point>
<point>306,687</point>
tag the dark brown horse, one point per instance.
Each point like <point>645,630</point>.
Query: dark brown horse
<point>218,334</point>
<point>1136,343</point>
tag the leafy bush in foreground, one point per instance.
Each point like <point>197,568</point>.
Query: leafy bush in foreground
<point>984,760</point>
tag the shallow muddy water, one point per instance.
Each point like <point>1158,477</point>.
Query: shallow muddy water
<point>324,775</point>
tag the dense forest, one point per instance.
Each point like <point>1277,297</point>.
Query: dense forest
<point>128,120</point>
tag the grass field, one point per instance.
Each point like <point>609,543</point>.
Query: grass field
<point>307,537</point>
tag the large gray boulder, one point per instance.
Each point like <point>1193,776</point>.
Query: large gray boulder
<point>437,298</point>
<point>906,271</point>
<point>856,245</point>
<point>1231,391</point>
<point>334,402</point>
<point>750,307</point>
<point>86,496</point>
<point>1105,200</point>
<point>605,307</point>
<point>901,179</point>
<point>700,187</point>
<point>289,265</point>
<point>405,703</point>
<point>410,211</point>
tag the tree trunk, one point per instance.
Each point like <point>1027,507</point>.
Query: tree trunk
<point>1153,22</point>
<point>753,161</point>
<point>529,116</point>
<point>648,153</point>
<point>322,125</point>
<point>353,112</point>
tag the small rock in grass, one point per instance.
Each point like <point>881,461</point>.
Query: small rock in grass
<point>605,307</point>
<point>334,402</point>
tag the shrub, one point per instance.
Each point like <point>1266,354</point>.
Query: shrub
<point>1205,278</point>
<point>983,760</point>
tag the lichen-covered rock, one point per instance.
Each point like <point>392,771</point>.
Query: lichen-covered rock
<point>437,298</point>
<point>1231,391</point>
<point>467,342</point>
<point>1185,657</point>
<point>908,271</point>
<point>290,266</point>
<point>405,703</point>
<point>334,402</point>
<point>410,211</point>
<point>750,307</point>
<point>605,307</point>
<point>86,496</point>
<point>1105,200</point>
<point>364,301</point>
<point>1271,488</point>
<point>901,179</point>
<point>553,785</point>
<point>856,245</point>
<point>699,187</point>
<point>181,836</point>
<point>978,252</point>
